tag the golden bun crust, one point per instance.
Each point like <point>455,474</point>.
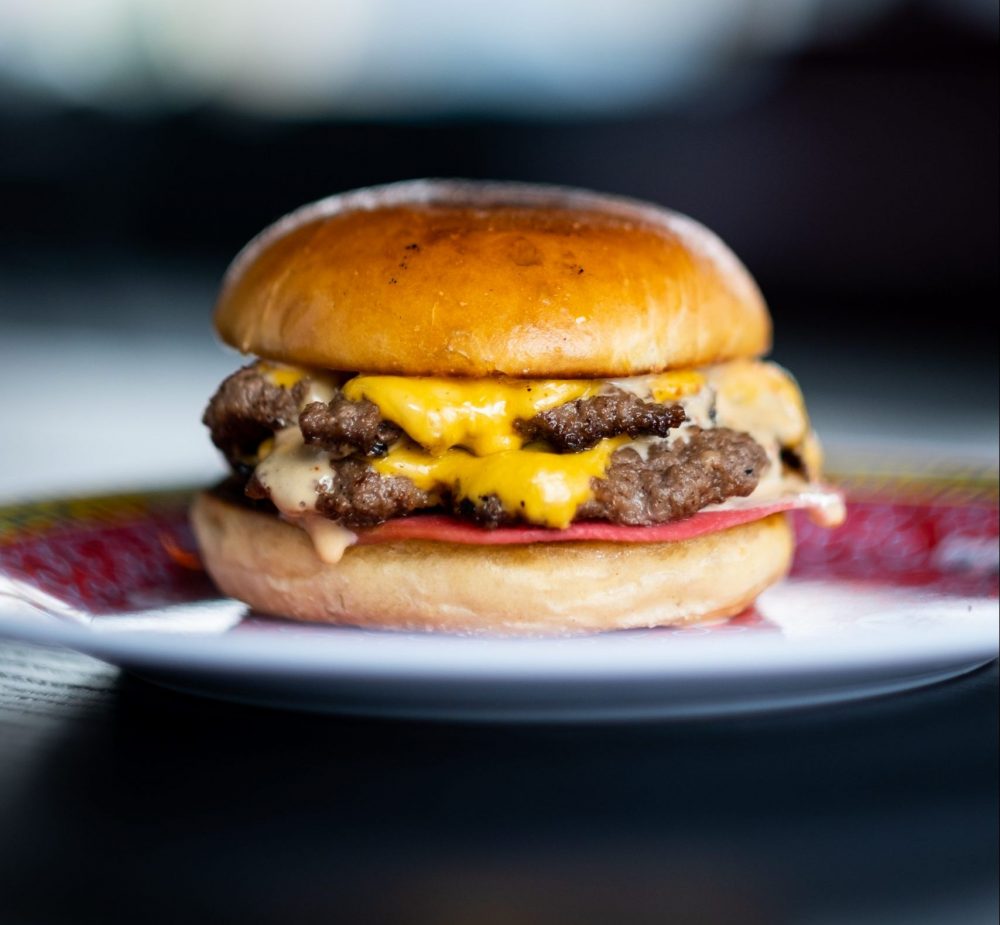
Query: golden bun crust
<point>537,589</point>
<point>459,278</point>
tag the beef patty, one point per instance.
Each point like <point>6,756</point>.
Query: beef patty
<point>247,409</point>
<point>344,427</point>
<point>667,483</point>
<point>674,482</point>
<point>581,424</point>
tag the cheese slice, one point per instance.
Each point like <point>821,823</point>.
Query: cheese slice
<point>540,486</point>
<point>477,414</point>
<point>674,385</point>
<point>281,374</point>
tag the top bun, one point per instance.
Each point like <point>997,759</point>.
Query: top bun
<point>461,278</point>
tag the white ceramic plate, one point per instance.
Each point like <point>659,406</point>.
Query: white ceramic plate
<point>905,594</point>
<point>810,642</point>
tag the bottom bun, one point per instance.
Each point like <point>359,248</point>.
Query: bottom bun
<point>540,588</point>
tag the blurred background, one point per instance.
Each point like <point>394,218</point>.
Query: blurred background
<point>846,150</point>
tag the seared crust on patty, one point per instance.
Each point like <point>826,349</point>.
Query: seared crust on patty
<point>670,481</point>
<point>344,427</point>
<point>677,480</point>
<point>581,424</point>
<point>360,497</point>
<point>247,409</point>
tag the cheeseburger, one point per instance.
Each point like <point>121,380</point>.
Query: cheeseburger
<point>498,408</point>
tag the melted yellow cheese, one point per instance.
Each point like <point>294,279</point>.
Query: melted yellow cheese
<point>320,384</point>
<point>477,414</point>
<point>464,443</point>
<point>672,386</point>
<point>543,487</point>
<point>281,375</point>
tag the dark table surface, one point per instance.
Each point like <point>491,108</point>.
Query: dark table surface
<point>123,802</point>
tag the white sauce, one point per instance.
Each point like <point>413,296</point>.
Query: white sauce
<point>700,408</point>
<point>640,386</point>
<point>292,472</point>
<point>329,538</point>
<point>320,388</point>
<point>826,507</point>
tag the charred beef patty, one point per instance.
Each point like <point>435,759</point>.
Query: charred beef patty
<point>671,482</point>
<point>358,496</point>
<point>581,424</point>
<point>247,409</point>
<point>674,482</point>
<point>345,427</point>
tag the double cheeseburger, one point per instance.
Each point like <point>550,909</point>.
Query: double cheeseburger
<point>484,407</point>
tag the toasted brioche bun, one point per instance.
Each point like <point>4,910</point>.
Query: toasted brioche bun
<point>458,278</point>
<point>540,588</point>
